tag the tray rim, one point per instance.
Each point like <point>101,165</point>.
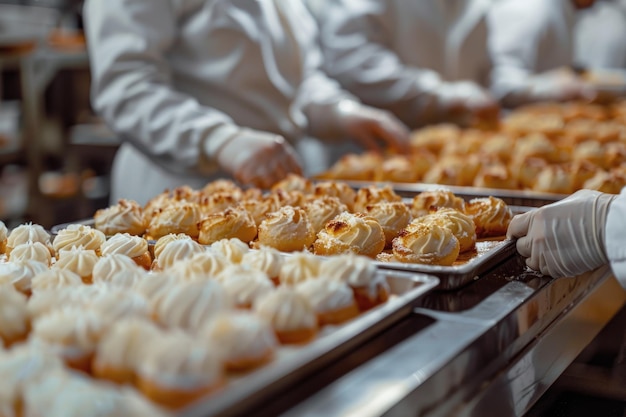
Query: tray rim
<point>272,378</point>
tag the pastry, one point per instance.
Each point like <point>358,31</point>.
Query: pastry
<point>201,266</point>
<point>244,285</point>
<point>120,350</point>
<point>4,233</point>
<point>258,208</point>
<point>615,153</point>
<point>355,233</point>
<point>175,251</point>
<point>536,145</point>
<point>323,209</point>
<point>426,243</point>
<point>580,172</point>
<point>288,230</point>
<point>114,304</point>
<point>35,251</point>
<point>469,143</point>
<point>78,235</point>
<point>281,198</point>
<point>78,260</point>
<point>49,299</point>
<point>266,259</point>
<point>223,186</point>
<point>177,217</point>
<point>453,170</point>
<point>353,167</point>
<point>398,168</point>
<point>134,247</point>
<point>429,201</point>
<point>21,274</point>
<point>290,315</point>
<point>392,217</point>
<point>491,216</point>
<point>116,269</point>
<point>124,217</point>
<point>554,179</point>
<point>606,182</point>
<point>461,225</point>
<point>232,249</point>
<point>372,194</point>
<point>498,146</point>
<point>338,189</point>
<point>55,278</point>
<point>217,202</point>
<point>154,285</point>
<point>162,242</point>
<point>242,340</point>
<point>434,138</point>
<point>25,233</point>
<point>14,317</point>
<point>293,182</point>
<point>332,301</point>
<point>526,169</point>
<point>176,371</point>
<point>187,305</point>
<point>298,268</point>
<point>369,288</point>
<point>495,176</point>
<point>231,223</point>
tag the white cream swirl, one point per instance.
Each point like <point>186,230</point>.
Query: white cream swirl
<point>392,217</point>
<point>4,232</point>
<point>107,267</point>
<point>55,278</point>
<point>426,244</point>
<point>287,229</point>
<point>177,217</point>
<point>357,233</point>
<point>14,315</point>
<point>356,271</point>
<point>162,242</point>
<point>35,251</point>
<point>28,233</point>
<point>286,310</point>
<point>126,342</point>
<point>266,259</point>
<point>176,251</point>
<point>245,288</point>
<point>460,224</point>
<point>300,267</point>
<point>124,217</point>
<point>21,274</point>
<point>323,209</point>
<point>326,295</point>
<point>77,260</point>
<point>201,266</point>
<point>231,223</point>
<point>78,235</point>
<point>232,249</point>
<point>116,304</point>
<point>125,244</point>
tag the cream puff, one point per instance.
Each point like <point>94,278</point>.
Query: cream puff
<point>231,249</point>
<point>323,209</point>
<point>55,278</point>
<point>332,301</point>
<point>118,271</point>
<point>35,251</point>
<point>134,247</point>
<point>14,317</point>
<point>222,185</point>
<point>426,243</point>
<point>162,242</point>
<point>392,217</point>
<point>266,259</point>
<point>78,260</point>
<point>341,190</point>
<point>244,285</point>
<point>78,235</point>
<point>429,201</point>
<point>288,230</point>
<point>258,208</point>
<point>293,182</point>
<point>217,202</point>
<point>372,194</point>
<point>298,268</point>
<point>351,233</point>
<point>460,224</point>
<point>124,217</point>
<point>177,217</point>
<point>21,274</point>
<point>25,233</point>
<point>114,304</point>
<point>491,216</point>
<point>200,267</point>
<point>175,251</point>
<point>231,223</point>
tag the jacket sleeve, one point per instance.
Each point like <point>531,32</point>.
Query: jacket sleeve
<point>354,39</point>
<point>615,237</point>
<point>131,85</point>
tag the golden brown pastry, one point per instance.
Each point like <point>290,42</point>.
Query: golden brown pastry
<point>491,216</point>
<point>615,153</point>
<point>217,202</point>
<point>124,217</point>
<point>426,243</point>
<point>258,208</point>
<point>293,182</point>
<point>581,172</point>
<point>554,179</point>
<point>429,201</point>
<point>281,198</point>
<point>134,247</point>
<point>231,223</point>
<point>351,233</point>
<point>606,182</point>
<point>366,196</point>
<point>460,224</point>
<point>338,189</point>
<point>288,230</point>
<point>453,170</point>
<point>222,186</point>
<point>434,138</point>
<point>527,169</point>
<point>536,145</point>
<point>398,168</point>
<point>590,151</point>
<point>353,167</point>
<point>495,176</point>
<point>321,210</point>
<point>392,217</point>
<point>498,145</point>
<point>177,217</point>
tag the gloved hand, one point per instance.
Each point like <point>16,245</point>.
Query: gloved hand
<point>565,238</point>
<point>258,158</point>
<point>363,124</point>
<point>466,103</point>
<point>559,85</point>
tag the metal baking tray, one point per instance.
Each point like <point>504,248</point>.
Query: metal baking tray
<point>54,230</point>
<point>293,364</point>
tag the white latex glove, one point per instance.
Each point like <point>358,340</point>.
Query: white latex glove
<point>258,158</point>
<point>555,85</point>
<point>363,124</point>
<point>465,102</point>
<point>565,238</point>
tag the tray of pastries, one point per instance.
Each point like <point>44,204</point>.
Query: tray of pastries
<point>549,149</point>
<point>151,332</point>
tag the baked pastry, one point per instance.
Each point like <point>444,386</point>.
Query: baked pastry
<point>461,225</point>
<point>536,145</point>
<point>341,190</point>
<point>429,201</point>
<point>293,182</point>
<point>290,315</point>
<point>453,170</point>
<point>615,152</point>
<point>78,260</point>
<point>245,285</point>
<point>498,146</point>
<point>232,249</point>
<point>266,259</point>
<point>14,317</point>
<point>35,251</point>
<point>116,268</point>
<point>580,172</point>
<point>258,208</point>
<point>155,285</point>
<point>231,223</point>
<point>287,230</point>
<point>54,279</point>
<point>177,217</point>
<point>4,233</point>
<point>392,217</point>
<point>554,179</point>
<point>134,247</point>
<point>591,151</point>
<point>323,209</point>
<point>355,167</point>
<point>222,186</point>
<point>526,169</point>
<point>495,176</point>
<point>201,266</point>
<point>78,235</point>
<point>47,300</point>
<point>20,274</point>
<point>72,333</point>
<point>176,371</point>
<point>434,138</point>
<point>115,304</point>
<point>426,243</point>
<point>175,251</point>
<point>332,301</point>
<point>606,182</point>
<point>298,268</point>
<point>162,242</point>
<point>491,216</point>
<point>217,202</point>
<point>366,196</point>
<point>281,198</point>
<point>398,168</point>
<point>124,217</point>
<point>351,233</point>
<point>25,233</point>
<point>120,350</point>
<point>188,305</point>
<point>369,288</point>
<point>243,340</point>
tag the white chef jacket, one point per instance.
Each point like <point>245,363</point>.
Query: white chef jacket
<point>177,78</point>
<point>615,237</point>
<point>527,37</point>
<point>394,54</point>
<point>600,36</point>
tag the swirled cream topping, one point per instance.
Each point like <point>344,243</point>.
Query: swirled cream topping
<point>326,295</point>
<point>20,274</point>
<point>356,271</point>
<point>286,310</point>
<point>154,284</point>
<point>372,194</point>
<point>4,232</point>
<point>116,304</point>
<point>13,313</point>
<point>287,229</point>
<point>323,209</point>
<point>294,182</point>
<point>188,305</point>
<point>460,224</point>
<point>177,217</point>
<point>222,185</point>
<point>392,217</point>
<point>78,235</point>
<point>232,249</point>
<point>126,342</point>
<point>554,179</point>
<point>426,243</point>
<point>217,202</point>
<point>28,233</point>
<point>176,251</point>
<point>55,278</point>
<point>125,244</point>
<point>35,251</point>
<point>429,201</point>
<point>201,266</point>
<point>162,242</point>
<point>357,233</point>
<point>338,189</point>
<point>46,300</point>
<point>231,223</point>
<point>258,208</point>
<point>78,260</point>
<point>266,259</point>
<point>124,217</point>
<point>298,268</point>
<point>244,289</point>
<point>283,198</point>
<point>107,267</point>
<point>490,214</point>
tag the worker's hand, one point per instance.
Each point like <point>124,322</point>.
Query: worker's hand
<point>363,124</point>
<point>467,103</point>
<point>258,158</point>
<point>559,85</point>
<point>565,238</point>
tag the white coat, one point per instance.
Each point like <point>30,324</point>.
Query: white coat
<point>176,78</point>
<point>600,36</point>
<point>527,37</point>
<point>614,237</point>
<point>394,54</point>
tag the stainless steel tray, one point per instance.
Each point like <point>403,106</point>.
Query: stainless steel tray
<point>293,364</point>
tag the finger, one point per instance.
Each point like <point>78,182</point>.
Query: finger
<point>533,263</point>
<point>393,134</point>
<point>524,246</point>
<point>519,225</point>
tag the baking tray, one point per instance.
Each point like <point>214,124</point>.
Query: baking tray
<point>54,230</point>
<point>293,364</point>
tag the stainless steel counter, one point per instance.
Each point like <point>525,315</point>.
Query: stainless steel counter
<point>491,348</point>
